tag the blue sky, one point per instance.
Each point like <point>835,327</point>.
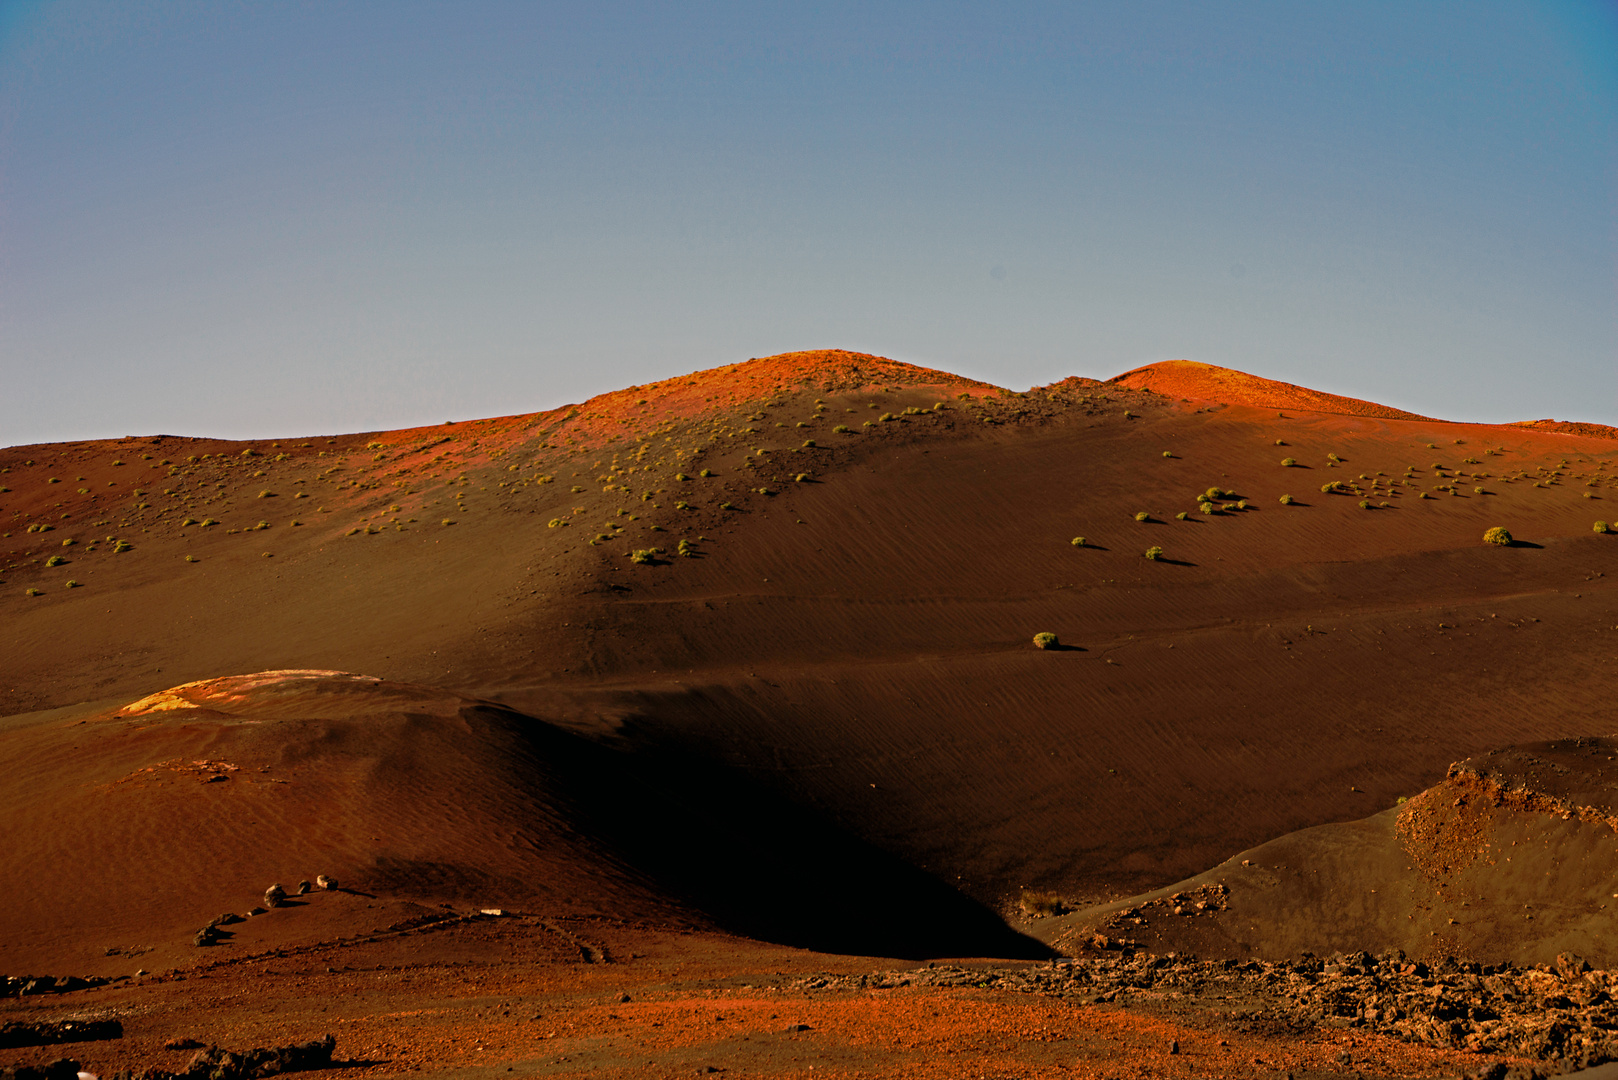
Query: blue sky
<point>295,218</point>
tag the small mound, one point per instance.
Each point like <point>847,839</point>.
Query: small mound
<point>1209,382</point>
<point>1569,427</point>
<point>1509,859</point>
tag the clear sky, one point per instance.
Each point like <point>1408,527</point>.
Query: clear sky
<point>285,218</point>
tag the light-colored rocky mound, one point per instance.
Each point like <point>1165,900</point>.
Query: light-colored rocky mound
<point>1570,427</point>
<point>1209,382</point>
<point>1512,858</point>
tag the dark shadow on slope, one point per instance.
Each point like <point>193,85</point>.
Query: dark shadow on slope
<point>756,864</point>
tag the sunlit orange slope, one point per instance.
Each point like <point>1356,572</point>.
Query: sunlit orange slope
<point>1209,382</point>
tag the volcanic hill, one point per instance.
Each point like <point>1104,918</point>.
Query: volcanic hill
<point>749,652</point>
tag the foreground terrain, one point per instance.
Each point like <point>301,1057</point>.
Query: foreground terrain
<point>722,691</point>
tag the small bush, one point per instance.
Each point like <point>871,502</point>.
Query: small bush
<point>686,549</point>
<point>1287,462</point>
<point>190,558</point>
<point>1286,500</point>
<point>1154,553</point>
<point>1216,493</point>
<point>1045,640</point>
<point>1365,504</point>
<point>1497,535</point>
<point>1332,487</point>
<point>1168,453</point>
<point>72,584</point>
<point>808,444</point>
<point>1181,516</point>
<point>681,476</point>
<point>1207,507</point>
<point>726,506</point>
<point>705,472</point>
<point>801,478</point>
<point>1143,516</point>
<point>645,555</point>
<point>55,560</point>
<point>121,546</point>
<point>1602,527</point>
<point>32,592</point>
<point>841,429</point>
<point>1078,541</point>
<point>1041,903</point>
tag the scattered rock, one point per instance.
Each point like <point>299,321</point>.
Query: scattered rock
<point>1562,1016</point>
<point>303,887</point>
<point>50,1032</point>
<point>274,895</point>
<point>184,1044</point>
<point>212,1063</point>
<point>327,883</point>
<point>63,1069</point>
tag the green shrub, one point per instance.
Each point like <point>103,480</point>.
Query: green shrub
<point>72,583</point>
<point>55,560</point>
<point>32,592</point>
<point>808,444</point>
<point>1602,527</point>
<point>681,476</point>
<point>1497,535</point>
<point>190,558</point>
<point>1045,640</point>
<point>1078,541</point>
<point>726,506</point>
<point>1168,453</point>
<point>1154,553</point>
<point>1332,487</point>
<point>686,549</point>
<point>1041,903</point>
<point>841,429</point>
<point>1143,516</point>
<point>1286,500</point>
<point>1206,507</point>
<point>120,546</point>
<point>1181,516</point>
<point>705,472</point>
<point>1287,462</point>
<point>1365,504</point>
<point>645,555</point>
<point>1216,493</point>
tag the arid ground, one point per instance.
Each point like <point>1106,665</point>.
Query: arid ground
<point>700,728</point>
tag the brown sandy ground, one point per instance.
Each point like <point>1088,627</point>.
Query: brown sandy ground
<point>492,997</point>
